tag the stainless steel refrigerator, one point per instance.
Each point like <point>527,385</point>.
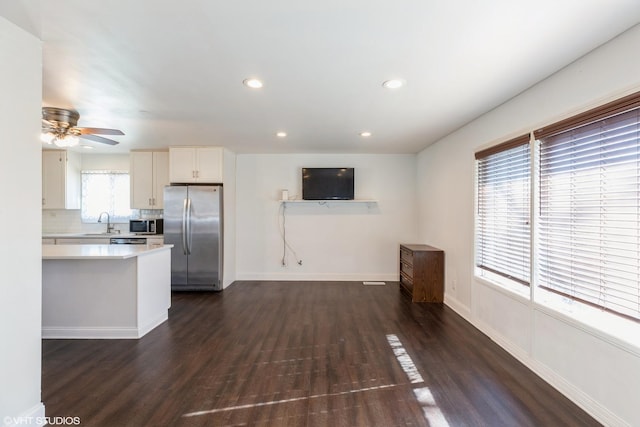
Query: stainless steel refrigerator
<point>193,224</point>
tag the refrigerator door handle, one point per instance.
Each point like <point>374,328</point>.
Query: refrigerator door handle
<point>188,213</point>
<point>184,226</point>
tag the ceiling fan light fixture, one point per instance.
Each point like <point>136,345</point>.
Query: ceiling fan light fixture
<point>59,127</point>
<point>365,134</point>
<point>47,137</point>
<point>66,141</point>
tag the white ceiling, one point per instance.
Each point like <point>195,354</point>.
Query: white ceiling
<point>171,72</point>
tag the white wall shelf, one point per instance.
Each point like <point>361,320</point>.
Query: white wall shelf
<point>325,202</point>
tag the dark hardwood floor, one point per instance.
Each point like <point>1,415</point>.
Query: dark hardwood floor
<point>300,354</point>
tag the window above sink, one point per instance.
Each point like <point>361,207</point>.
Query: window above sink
<point>105,191</point>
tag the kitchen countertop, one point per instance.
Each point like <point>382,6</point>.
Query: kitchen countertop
<point>94,235</point>
<point>101,252</point>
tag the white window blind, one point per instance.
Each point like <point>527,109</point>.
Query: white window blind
<point>503,201</point>
<point>105,191</point>
<point>589,216</point>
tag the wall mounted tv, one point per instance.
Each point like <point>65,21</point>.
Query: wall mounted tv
<point>327,183</point>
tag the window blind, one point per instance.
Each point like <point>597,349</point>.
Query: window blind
<point>503,200</point>
<point>106,191</point>
<point>589,212</point>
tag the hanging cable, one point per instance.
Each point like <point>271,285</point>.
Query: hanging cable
<point>283,232</point>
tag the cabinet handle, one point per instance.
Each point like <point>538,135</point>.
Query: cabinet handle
<point>43,202</point>
<point>197,174</point>
<point>153,201</point>
<point>150,202</point>
<point>193,174</point>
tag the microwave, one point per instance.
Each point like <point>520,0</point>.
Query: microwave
<point>146,226</point>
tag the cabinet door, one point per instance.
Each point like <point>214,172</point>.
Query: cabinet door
<point>160,177</point>
<point>155,241</point>
<point>53,179</point>
<point>209,165</point>
<point>141,180</point>
<point>182,164</point>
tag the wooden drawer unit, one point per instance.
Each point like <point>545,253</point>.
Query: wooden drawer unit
<point>422,272</point>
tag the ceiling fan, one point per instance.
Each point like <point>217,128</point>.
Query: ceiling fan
<point>59,128</point>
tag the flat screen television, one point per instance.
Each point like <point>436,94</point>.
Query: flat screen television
<point>327,183</point>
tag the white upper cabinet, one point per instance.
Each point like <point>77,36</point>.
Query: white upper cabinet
<point>149,174</point>
<point>195,164</point>
<point>60,179</point>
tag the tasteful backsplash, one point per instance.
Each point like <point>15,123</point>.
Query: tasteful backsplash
<point>69,221</point>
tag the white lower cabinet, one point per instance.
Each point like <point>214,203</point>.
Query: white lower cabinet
<point>155,241</point>
<point>150,240</point>
<point>81,241</point>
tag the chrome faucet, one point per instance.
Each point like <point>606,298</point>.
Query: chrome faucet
<point>109,225</point>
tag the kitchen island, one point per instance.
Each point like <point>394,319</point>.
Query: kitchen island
<point>104,291</point>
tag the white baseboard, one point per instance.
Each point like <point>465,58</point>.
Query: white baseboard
<point>63,332</point>
<point>315,277</point>
<point>573,393</point>
<point>31,418</point>
<point>577,396</point>
<point>89,333</point>
<point>144,329</point>
<point>458,307</point>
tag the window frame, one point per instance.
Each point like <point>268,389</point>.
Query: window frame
<point>580,179</point>
<point>493,160</point>
<point>583,311</point>
<point>117,213</point>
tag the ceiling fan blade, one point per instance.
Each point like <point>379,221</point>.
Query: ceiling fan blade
<point>99,139</point>
<point>99,131</point>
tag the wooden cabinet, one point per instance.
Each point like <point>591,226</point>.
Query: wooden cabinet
<point>196,164</point>
<point>149,174</point>
<point>422,272</point>
<point>60,180</point>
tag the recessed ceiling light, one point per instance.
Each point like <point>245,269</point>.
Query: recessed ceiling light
<point>393,84</point>
<point>281,134</point>
<point>87,147</point>
<point>365,134</point>
<point>252,83</point>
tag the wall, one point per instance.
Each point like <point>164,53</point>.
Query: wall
<point>229,218</point>
<point>596,370</point>
<point>116,162</point>
<point>20,252</point>
<point>335,241</point>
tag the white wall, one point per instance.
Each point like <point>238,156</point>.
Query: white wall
<point>229,219</point>
<point>597,371</point>
<point>334,241</point>
<point>116,162</point>
<point>20,252</point>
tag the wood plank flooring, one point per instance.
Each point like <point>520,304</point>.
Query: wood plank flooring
<point>300,354</point>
